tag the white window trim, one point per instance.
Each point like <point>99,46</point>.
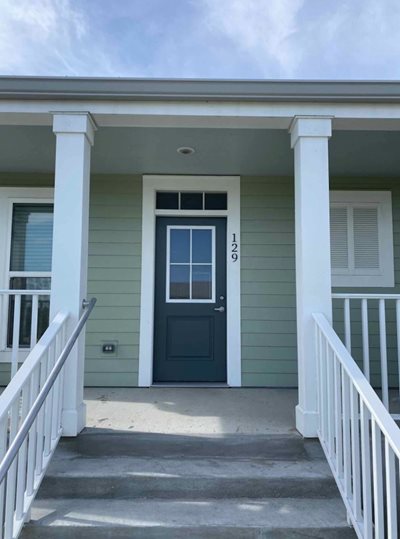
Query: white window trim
<point>152,184</point>
<point>383,201</point>
<point>169,264</point>
<point>8,197</point>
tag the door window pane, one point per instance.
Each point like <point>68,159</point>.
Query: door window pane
<point>202,282</point>
<point>31,237</point>
<point>191,263</point>
<point>191,201</point>
<point>216,201</point>
<point>167,200</point>
<point>201,246</point>
<point>180,245</point>
<point>179,282</point>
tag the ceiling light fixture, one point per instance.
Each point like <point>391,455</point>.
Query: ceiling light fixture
<point>185,150</point>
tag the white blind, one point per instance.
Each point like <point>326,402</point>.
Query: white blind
<point>366,238</point>
<point>339,238</point>
<point>31,237</point>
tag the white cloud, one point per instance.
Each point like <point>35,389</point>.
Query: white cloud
<point>260,28</point>
<point>45,37</point>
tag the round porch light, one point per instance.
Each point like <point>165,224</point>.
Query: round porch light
<point>185,150</point>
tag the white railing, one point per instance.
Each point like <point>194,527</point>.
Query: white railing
<point>28,317</point>
<point>30,422</point>
<point>360,439</point>
<point>371,323</point>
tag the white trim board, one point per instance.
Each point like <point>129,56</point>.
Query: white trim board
<point>152,184</point>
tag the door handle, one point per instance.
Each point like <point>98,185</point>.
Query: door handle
<point>219,309</point>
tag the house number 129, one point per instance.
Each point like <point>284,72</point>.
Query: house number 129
<point>235,255</point>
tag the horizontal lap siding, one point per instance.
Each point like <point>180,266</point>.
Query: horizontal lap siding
<point>269,356</point>
<point>386,184</point>
<point>114,278</point>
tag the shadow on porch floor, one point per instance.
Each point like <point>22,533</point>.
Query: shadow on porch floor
<point>192,410</point>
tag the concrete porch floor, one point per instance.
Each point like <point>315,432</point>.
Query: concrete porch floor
<point>192,410</point>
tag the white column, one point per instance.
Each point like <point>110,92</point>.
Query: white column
<point>309,138</point>
<point>75,135</point>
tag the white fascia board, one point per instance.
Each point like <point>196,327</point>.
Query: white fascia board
<point>204,114</point>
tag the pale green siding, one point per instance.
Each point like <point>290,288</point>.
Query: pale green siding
<point>114,278</point>
<point>268,282</point>
<point>269,356</point>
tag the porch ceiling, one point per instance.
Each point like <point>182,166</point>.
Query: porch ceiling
<point>138,150</point>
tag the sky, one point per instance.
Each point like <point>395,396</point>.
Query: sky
<point>251,39</point>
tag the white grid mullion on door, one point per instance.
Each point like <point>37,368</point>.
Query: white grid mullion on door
<point>191,263</point>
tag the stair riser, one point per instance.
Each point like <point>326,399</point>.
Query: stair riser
<point>66,532</point>
<point>278,448</point>
<point>191,488</point>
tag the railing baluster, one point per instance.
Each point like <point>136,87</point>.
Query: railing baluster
<point>48,405</point>
<point>391,502</point>
<point>15,334</point>
<point>366,471</point>
<point>347,324</point>
<point>12,474</point>
<point>21,476</point>
<point>34,319</point>
<point>346,434</point>
<point>377,471</point>
<point>32,435</point>
<point>338,418</point>
<point>355,452</point>
<point>330,401</point>
<point>383,353</point>
<point>365,337</point>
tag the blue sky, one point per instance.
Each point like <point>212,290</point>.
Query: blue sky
<point>262,39</point>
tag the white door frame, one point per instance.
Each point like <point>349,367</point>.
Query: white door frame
<point>152,184</point>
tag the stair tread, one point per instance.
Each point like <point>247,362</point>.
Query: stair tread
<point>261,513</point>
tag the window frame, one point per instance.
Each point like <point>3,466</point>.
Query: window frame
<point>191,264</point>
<point>384,276</point>
<point>8,197</point>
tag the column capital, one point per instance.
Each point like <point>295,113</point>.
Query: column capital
<point>78,123</point>
<point>310,126</point>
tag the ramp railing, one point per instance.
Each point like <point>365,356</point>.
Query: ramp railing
<point>30,421</point>
<point>359,437</point>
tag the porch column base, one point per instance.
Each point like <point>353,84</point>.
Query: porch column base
<point>73,421</point>
<point>306,422</point>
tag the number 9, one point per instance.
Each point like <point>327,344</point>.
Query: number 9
<point>234,257</point>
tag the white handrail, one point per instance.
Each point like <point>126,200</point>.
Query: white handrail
<point>387,353</point>
<point>30,422</point>
<point>353,426</point>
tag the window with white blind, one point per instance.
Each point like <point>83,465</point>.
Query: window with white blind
<point>361,238</point>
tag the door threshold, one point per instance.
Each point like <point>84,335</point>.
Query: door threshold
<point>190,384</point>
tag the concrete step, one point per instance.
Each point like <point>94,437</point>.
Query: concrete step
<point>178,519</point>
<point>103,443</point>
<point>218,477</point>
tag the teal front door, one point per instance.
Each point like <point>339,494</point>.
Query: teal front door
<point>190,300</point>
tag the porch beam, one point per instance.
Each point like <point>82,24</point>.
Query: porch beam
<point>309,139</point>
<point>220,114</point>
<point>74,138</point>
